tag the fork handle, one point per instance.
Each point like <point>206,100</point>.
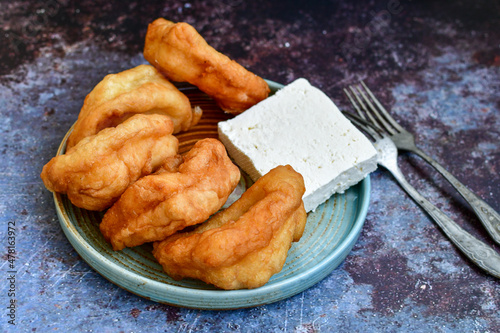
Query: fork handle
<point>478,252</point>
<point>487,215</point>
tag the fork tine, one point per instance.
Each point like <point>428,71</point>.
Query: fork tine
<point>365,126</point>
<point>363,106</point>
<point>374,110</point>
<point>386,114</point>
<point>349,96</point>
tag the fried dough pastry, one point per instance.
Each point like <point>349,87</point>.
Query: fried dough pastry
<point>96,171</point>
<point>158,205</point>
<point>138,90</point>
<point>244,245</point>
<point>181,54</point>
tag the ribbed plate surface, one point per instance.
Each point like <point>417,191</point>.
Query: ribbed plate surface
<point>330,234</point>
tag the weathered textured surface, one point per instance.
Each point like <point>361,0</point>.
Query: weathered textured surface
<point>435,64</point>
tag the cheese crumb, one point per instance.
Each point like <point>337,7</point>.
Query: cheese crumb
<point>300,126</point>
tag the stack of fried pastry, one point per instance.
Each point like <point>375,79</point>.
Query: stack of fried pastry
<point>245,244</point>
<point>98,169</point>
<point>158,205</point>
<point>122,156</point>
<point>181,54</point>
<point>138,90</point>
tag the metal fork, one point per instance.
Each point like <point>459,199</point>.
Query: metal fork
<point>478,252</point>
<point>404,140</point>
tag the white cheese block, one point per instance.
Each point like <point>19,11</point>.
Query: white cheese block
<point>300,126</point>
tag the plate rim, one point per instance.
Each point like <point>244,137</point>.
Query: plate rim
<point>149,286</point>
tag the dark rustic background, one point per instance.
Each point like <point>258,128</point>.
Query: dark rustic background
<point>435,64</point>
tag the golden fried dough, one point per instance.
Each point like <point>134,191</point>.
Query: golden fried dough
<point>181,54</point>
<point>138,90</point>
<point>96,171</point>
<point>244,245</point>
<point>158,205</point>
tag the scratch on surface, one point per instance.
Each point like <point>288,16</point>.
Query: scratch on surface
<point>301,307</point>
<point>316,324</point>
<point>27,263</point>
<point>285,323</point>
<point>63,275</point>
<point>83,275</point>
<point>112,297</point>
<point>185,324</point>
<point>194,323</point>
<point>1,266</point>
<point>182,327</point>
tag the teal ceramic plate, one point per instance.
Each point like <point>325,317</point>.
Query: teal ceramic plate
<point>330,234</point>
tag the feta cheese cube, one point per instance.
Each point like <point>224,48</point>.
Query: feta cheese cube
<point>300,126</point>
